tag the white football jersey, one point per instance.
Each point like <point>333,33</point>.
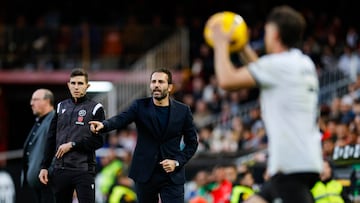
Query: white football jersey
<point>289,104</point>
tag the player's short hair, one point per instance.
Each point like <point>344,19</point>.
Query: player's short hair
<point>291,24</point>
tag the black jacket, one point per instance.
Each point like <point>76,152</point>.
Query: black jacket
<point>70,124</point>
<point>152,142</point>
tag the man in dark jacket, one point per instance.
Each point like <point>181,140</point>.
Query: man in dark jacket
<point>73,144</point>
<point>42,105</point>
<point>159,157</point>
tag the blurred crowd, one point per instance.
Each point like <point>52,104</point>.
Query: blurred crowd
<point>48,44</point>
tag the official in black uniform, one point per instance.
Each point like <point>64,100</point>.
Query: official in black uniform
<point>73,144</point>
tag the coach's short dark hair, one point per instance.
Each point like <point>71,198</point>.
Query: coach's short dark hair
<point>163,70</point>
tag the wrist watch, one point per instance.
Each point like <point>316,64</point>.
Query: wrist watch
<point>177,163</point>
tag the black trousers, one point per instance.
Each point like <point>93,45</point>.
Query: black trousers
<point>44,194</point>
<point>66,181</point>
<point>290,188</point>
<point>159,185</point>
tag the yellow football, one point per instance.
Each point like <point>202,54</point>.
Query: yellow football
<point>228,19</point>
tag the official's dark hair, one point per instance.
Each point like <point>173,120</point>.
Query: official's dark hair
<point>291,25</point>
<point>163,70</point>
<point>79,72</point>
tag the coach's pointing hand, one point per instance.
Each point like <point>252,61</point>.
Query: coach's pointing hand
<point>96,126</point>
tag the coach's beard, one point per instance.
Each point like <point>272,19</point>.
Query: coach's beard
<point>162,96</point>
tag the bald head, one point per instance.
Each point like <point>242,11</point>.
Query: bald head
<point>42,102</point>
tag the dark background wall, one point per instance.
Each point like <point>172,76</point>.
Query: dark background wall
<point>105,11</point>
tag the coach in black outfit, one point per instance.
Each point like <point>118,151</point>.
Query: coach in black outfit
<point>159,157</point>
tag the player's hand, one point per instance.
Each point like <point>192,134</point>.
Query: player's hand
<point>96,126</point>
<point>43,176</point>
<point>218,33</point>
<point>168,165</point>
<point>63,149</point>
